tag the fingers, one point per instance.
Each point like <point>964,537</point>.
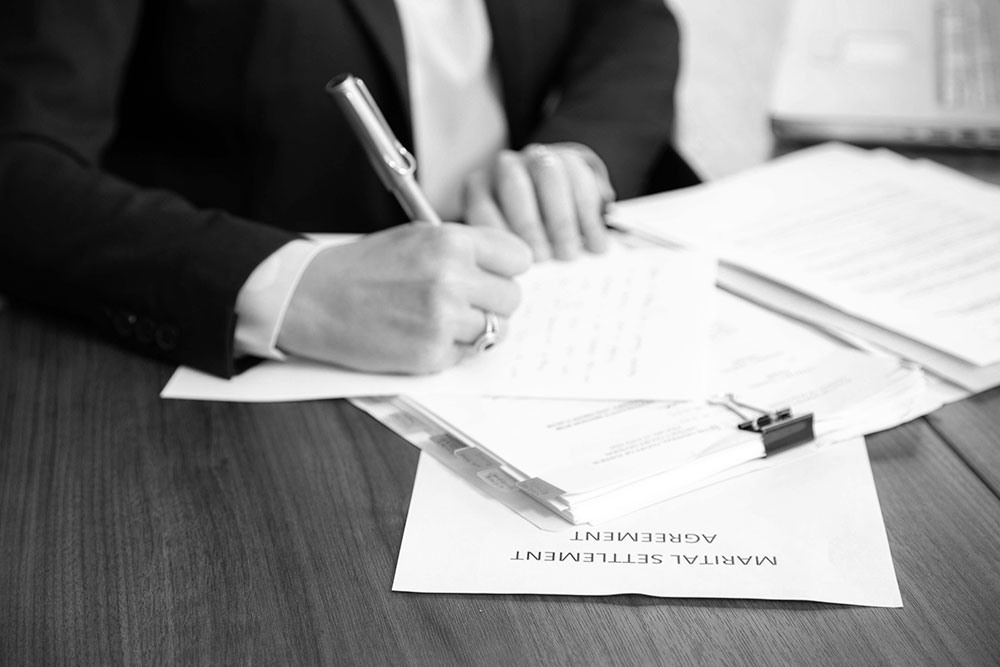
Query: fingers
<point>474,326</point>
<point>472,267</point>
<point>487,287</point>
<point>556,200</point>
<point>481,209</point>
<point>590,198</point>
<point>500,252</point>
<point>549,196</point>
<point>515,194</point>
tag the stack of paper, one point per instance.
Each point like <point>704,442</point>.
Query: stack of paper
<point>590,461</point>
<point>804,524</point>
<point>903,254</point>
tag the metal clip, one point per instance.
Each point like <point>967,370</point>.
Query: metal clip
<point>778,429</point>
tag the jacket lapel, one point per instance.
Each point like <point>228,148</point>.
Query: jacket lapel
<point>506,19</point>
<point>381,20</point>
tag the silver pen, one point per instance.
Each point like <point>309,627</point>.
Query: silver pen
<point>394,164</point>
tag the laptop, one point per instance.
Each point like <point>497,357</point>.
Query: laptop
<point>919,72</point>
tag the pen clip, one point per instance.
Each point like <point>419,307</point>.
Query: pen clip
<point>383,148</point>
<point>394,165</point>
<point>398,150</point>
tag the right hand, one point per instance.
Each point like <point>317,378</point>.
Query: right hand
<point>408,299</point>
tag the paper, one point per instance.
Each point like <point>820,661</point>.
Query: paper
<point>900,245</point>
<point>630,324</point>
<point>592,460</point>
<point>807,529</point>
<point>861,333</point>
<point>598,460</point>
<point>777,361</point>
<point>606,459</point>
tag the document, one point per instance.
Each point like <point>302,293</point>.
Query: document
<point>591,461</point>
<point>806,528</point>
<point>630,324</point>
<point>861,333</point>
<point>910,248</point>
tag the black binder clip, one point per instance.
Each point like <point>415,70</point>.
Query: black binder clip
<point>779,429</point>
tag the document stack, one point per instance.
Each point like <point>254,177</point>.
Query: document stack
<point>592,461</point>
<point>899,255</point>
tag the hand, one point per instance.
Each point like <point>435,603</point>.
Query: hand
<point>409,299</point>
<point>549,195</point>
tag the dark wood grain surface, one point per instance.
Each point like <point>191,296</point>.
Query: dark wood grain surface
<point>139,531</point>
<point>972,427</point>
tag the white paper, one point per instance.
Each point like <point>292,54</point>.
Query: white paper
<point>862,334</point>
<point>767,362</point>
<point>583,446</point>
<point>897,244</point>
<point>593,461</point>
<point>626,325</point>
<point>807,529</point>
<point>600,460</point>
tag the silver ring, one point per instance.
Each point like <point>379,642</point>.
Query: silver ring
<point>490,335</point>
<point>540,155</point>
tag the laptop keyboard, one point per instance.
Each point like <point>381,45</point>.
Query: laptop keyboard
<point>969,54</point>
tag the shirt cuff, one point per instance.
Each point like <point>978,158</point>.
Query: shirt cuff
<point>263,300</point>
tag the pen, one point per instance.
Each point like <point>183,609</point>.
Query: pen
<point>392,162</point>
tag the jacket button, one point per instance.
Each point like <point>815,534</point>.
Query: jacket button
<point>123,323</point>
<point>145,329</point>
<point>166,337</point>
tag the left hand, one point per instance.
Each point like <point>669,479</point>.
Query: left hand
<point>547,194</point>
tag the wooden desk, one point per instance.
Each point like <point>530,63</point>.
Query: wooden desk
<point>141,531</point>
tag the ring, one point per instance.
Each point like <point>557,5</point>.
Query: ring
<point>490,336</point>
<point>541,155</point>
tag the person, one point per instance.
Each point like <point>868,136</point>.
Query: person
<point>161,161</point>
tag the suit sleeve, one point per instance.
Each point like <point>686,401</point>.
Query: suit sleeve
<point>616,90</point>
<point>150,269</point>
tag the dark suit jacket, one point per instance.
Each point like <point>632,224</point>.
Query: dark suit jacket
<point>153,152</point>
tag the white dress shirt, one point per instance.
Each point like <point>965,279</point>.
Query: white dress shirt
<point>458,118</point>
